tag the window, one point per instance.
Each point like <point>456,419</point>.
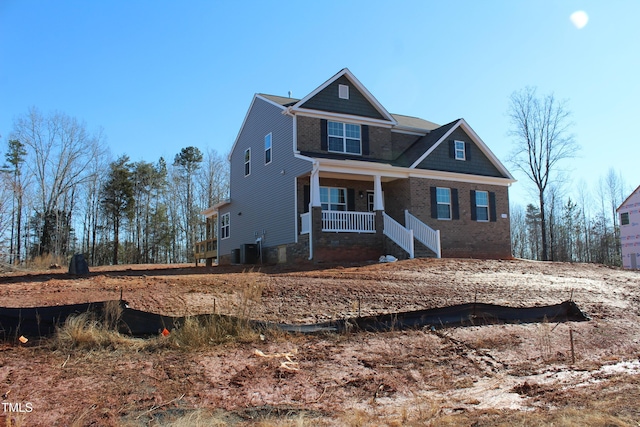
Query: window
<point>247,161</point>
<point>344,138</point>
<point>482,206</point>
<point>224,225</point>
<point>333,199</point>
<point>443,198</point>
<point>267,149</point>
<point>460,151</point>
<point>343,91</point>
<point>624,218</point>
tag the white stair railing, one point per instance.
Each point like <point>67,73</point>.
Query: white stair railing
<point>400,235</point>
<point>423,233</point>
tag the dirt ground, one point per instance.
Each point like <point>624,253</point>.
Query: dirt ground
<point>585,373</point>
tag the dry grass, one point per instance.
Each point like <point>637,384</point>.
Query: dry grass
<point>84,332</point>
<point>201,331</point>
<point>44,262</point>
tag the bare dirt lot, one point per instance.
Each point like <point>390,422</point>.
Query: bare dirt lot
<point>523,374</point>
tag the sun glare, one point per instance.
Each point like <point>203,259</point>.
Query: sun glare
<point>579,18</point>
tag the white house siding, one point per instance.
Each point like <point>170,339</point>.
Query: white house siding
<point>263,204</point>
<point>630,234</point>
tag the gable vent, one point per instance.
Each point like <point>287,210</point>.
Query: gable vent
<point>343,91</point>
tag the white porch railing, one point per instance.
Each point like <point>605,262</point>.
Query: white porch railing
<point>306,223</point>
<point>401,236</point>
<point>349,222</point>
<point>423,233</point>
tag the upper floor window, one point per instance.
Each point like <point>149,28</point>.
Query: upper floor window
<point>443,199</point>
<point>267,149</point>
<point>344,138</point>
<point>247,162</point>
<point>482,206</point>
<point>333,199</point>
<point>224,225</point>
<point>460,151</point>
<point>624,218</point>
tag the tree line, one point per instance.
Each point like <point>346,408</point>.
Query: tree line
<point>62,194</point>
<point>558,226</point>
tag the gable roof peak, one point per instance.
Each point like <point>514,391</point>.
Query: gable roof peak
<point>346,73</point>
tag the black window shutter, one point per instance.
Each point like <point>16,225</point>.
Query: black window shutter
<point>351,199</point>
<point>434,203</point>
<point>324,146</point>
<point>454,203</point>
<point>492,207</point>
<point>467,151</point>
<point>452,149</point>
<point>365,139</point>
<point>306,197</point>
<point>474,214</point>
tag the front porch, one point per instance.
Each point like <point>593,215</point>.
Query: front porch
<point>347,210</point>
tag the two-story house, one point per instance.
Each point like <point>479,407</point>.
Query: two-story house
<point>335,177</point>
<point>629,212</point>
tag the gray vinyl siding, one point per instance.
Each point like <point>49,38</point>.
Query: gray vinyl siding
<point>328,100</point>
<point>479,164</point>
<point>264,200</point>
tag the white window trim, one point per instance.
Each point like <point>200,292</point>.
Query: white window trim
<point>247,161</point>
<point>628,218</point>
<point>344,138</point>
<point>343,189</point>
<point>447,204</point>
<point>228,226</point>
<point>482,206</point>
<point>456,150</point>
<point>343,91</point>
<point>269,149</point>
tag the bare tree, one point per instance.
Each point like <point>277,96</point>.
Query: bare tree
<point>540,130</point>
<point>60,150</point>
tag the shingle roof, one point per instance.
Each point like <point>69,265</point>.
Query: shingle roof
<point>282,100</point>
<point>409,122</point>
<point>414,122</point>
<point>418,148</point>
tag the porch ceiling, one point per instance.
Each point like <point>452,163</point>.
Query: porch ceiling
<point>354,176</point>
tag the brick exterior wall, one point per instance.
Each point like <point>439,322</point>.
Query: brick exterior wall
<point>380,141</point>
<point>464,237</point>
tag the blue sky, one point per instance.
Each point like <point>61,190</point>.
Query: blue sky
<point>158,75</point>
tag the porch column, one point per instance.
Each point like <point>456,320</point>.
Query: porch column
<point>315,209</point>
<point>378,204</point>
<point>315,187</point>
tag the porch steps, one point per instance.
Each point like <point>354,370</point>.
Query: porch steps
<point>415,239</point>
<point>421,251</point>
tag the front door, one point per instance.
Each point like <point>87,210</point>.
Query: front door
<point>634,262</point>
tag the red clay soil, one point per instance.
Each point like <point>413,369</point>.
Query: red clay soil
<point>487,374</point>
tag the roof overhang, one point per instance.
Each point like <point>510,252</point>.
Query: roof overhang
<point>213,210</point>
<point>385,170</point>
